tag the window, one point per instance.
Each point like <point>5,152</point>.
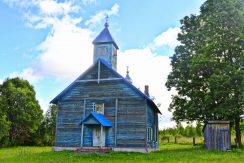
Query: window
<point>149,134</point>
<point>102,50</point>
<point>100,108</point>
<point>155,134</point>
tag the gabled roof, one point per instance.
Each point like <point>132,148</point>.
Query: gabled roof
<point>105,37</point>
<point>102,61</point>
<point>99,117</point>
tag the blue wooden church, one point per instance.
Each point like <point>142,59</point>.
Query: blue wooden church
<point>103,109</point>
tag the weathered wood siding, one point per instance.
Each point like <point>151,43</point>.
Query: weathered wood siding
<point>217,136</point>
<point>88,136</point>
<point>152,122</point>
<point>131,111</point>
<point>131,126</point>
<point>68,131</point>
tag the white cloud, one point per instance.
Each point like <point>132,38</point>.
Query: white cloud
<point>1,81</point>
<point>102,14</point>
<point>47,12</point>
<point>43,103</point>
<point>27,74</point>
<point>168,38</point>
<point>51,7</point>
<point>147,68</point>
<point>67,50</point>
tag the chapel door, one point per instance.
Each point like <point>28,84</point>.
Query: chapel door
<point>98,136</point>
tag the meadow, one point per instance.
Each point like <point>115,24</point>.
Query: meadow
<point>169,152</point>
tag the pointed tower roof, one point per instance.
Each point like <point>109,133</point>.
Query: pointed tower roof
<point>105,36</point>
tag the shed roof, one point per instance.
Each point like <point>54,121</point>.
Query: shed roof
<point>218,122</point>
<point>102,61</point>
<point>99,117</point>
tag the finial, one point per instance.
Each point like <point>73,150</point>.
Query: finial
<point>127,77</point>
<point>127,72</point>
<point>106,24</point>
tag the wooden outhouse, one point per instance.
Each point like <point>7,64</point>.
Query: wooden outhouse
<point>101,108</point>
<point>217,135</point>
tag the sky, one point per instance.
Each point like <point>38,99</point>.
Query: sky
<point>49,42</point>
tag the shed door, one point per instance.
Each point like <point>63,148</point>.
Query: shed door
<point>98,136</point>
<point>224,139</point>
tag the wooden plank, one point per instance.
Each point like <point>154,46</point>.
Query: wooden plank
<point>81,138</point>
<point>94,90</point>
<point>115,122</point>
<point>95,80</point>
<point>98,73</point>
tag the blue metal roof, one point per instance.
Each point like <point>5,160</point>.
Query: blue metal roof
<point>99,117</point>
<point>105,37</point>
<point>149,100</point>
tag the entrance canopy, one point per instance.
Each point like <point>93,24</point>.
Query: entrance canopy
<point>94,118</point>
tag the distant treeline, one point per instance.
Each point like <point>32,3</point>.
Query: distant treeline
<point>189,131</point>
<point>180,131</point>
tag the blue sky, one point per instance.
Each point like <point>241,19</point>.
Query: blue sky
<point>48,42</point>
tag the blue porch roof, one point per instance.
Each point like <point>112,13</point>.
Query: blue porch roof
<point>99,117</point>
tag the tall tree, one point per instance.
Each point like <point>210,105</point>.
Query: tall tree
<point>207,68</point>
<point>50,124</point>
<point>4,128</point>
<point>21,108</point>
<point>4,123</point>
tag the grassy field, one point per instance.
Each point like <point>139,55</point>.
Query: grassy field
<point>198,140</point>
<point>169,152</point>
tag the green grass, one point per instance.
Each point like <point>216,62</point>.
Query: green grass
<point>168,153</point>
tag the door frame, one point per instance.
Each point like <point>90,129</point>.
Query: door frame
<point>100,139</point>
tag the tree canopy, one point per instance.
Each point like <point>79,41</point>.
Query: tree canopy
<point>207,67</point>
<point>21,111</point>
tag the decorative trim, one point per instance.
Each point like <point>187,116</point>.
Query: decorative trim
<point>84,109</point>
<point>98,72</point>
<point>81,139</point>
<point>115,123</point>
<point>95,80</point>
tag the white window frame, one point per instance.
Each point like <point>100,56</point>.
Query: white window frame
<point>149,134</point>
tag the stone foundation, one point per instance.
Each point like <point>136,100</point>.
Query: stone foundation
<point>116,149</point>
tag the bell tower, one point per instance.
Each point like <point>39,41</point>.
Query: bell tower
<point>105,47</point>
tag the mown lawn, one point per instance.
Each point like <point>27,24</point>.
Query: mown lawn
<point>168,153</point>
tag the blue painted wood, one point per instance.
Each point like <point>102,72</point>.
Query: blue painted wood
<point>217,135</point>
<point>91,120</point>
<point>152,122</point>
<point>108,137</point>
<point>88,136</point>
<point>132,110</point>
